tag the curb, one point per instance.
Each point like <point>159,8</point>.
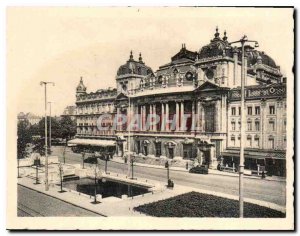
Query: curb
<point>62,200</point>
<point>248,177</point>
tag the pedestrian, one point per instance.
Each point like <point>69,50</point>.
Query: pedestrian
<point>187,165</point>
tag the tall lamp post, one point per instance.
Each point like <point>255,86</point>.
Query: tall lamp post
<point>50,127</point>
<point>96,175</point>
<point>46,141</point>
<point>243,42</point>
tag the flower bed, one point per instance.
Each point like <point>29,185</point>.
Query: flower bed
<point>195,204</point>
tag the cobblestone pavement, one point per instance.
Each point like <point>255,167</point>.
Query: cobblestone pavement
<point>32,203</point>
<point>264,190</point>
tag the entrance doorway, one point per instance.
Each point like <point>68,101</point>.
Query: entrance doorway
<point>171,153</point>
<point>206,158</point>
<point>187,151</point>
<point>146,150</point>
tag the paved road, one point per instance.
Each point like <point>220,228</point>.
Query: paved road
<point>32,203</point>
<point>271,191</point>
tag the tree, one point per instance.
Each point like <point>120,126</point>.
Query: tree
<point>24,137</point>
<point>39,146</point>
<point>55,127</point>
<point>67,127</point>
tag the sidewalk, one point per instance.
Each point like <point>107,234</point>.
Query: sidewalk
<point>210,171</point>
<point>107,207</point>
<point>112,206</point>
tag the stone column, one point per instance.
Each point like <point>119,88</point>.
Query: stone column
<point>167,117</point>
<point>162,117</point>
<point>150,121</point>
<point>144,117</point>
<point>177,116</point>
<point>181,115</point>
<point>193,117</point>
<point>154,113</point>
<point>235,67</point>
<point>198,116</point>
<point>245,72</point>
<point>217,116</point>
<point>202,118</point>
<point>118,114</point>
<point>263,121</point>
<point>213,158</point>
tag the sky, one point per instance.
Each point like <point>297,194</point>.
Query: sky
<point>61,44</point>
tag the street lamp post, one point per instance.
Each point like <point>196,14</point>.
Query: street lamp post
<point>36,163</point>
<point>46,143</point>
<point>242,41</point>
<point>106,160</point>
<point>61,176</point>
<point>168,172</point>
<point>50,127</point>
<point>83,155</point>
<point>37,175</point>
<point>131,161</point>
<point>95,189</point>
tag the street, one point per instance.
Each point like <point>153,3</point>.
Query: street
<point>270,191</point>
<point>32,203</point>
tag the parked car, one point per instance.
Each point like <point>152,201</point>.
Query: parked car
<point>203,169</point>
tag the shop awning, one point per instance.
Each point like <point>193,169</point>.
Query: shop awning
<point>92,142</point>
<point>259,155</point>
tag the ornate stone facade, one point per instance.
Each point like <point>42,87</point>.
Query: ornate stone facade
<point>204,86</point>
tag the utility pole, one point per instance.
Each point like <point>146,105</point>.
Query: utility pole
<point>242,41</point>
<point>46,141</point>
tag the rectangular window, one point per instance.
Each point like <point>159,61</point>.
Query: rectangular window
<point>256,142</point>
<point>271,143</point>
<point>257,110</point>
<point>249,125</point>
<point>233,125</point>
<point>233,111</point>
<point>239,111</point>
<point>249,141</point>
<point>257,126</point>
<point>272,110</point>
<point>249,110</point>
<point>210,118</point>
<point>272,125</point>
<point>233,141</point>
<point>239,125</point>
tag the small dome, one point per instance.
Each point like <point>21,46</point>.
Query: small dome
<point>134,67</point>
<point>221,47</point>
<point>81,88</point>
<point>216,47</point>
<point>254,56</point>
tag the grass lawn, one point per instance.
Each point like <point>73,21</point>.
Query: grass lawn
<point>195,204</point>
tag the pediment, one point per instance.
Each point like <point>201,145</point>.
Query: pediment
<point>122,96</point>
<point>207,86</point>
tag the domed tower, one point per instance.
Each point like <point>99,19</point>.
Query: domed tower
<point>131,75</point>
<point>81,89</point>
<point>220,63</point>
<point>213,59</point>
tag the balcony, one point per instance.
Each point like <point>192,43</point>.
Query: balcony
<point>161,86</point>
